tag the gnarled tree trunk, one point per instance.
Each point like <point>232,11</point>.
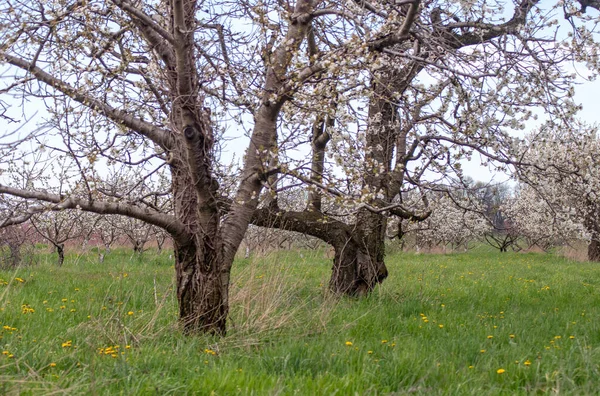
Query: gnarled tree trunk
<point>202,287</point>
<point>358,264</point>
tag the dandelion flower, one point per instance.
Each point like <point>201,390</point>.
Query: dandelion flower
<point>512,336</point>
<point>348,343</point>
<point>384,341</point>
<point>490,337</point>
<point>370,352</point>
<point>572,337</point>
<point>441,326</point>
<point>527,363</point>
<point>67,344</point>
<point>130,313</point>
<point>482,351</point>
<point>52,364</point>
<point>501,371</point>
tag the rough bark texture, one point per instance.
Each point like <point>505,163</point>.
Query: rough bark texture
<point>202,288</point>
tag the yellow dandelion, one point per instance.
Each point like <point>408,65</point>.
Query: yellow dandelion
<point>471,367</point>
<point>572,337</point>
<point>348,343</point>
<point>67,344</point>
<point>130,313</point>
<point>512,336</point>
<point>441,326</point>
<point>53,364</point>
<point>19,280</point>
<point>527,363</point>
<point>384,341</point>
<point>370,352</point>
<point>501,371</point>
<point>482,351</point>
<point>490,337</point>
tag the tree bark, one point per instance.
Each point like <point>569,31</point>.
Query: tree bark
<point>358,264</point>
<point>202,288</point>
<point>594,249</point>
<point>60,250</point>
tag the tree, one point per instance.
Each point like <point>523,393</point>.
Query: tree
<point>563,186</point>
<point>105,229</point>
<point>382,95</point>
<point>59,227</point>
<point>449,224</point>
<point>538,223</point>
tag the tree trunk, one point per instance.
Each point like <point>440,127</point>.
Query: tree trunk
<point>60,249</point>
<point>15,254</point>
<point>592,224</point>
<point>358,264</point>
<point>202,288</point>
<point>594,249</point>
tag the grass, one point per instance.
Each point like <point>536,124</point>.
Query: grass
<point>475,323</point>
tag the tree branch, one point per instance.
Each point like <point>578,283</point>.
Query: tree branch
<point>152,132</point>
<point>170,223</point>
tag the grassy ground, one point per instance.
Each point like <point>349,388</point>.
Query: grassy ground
<point>476,323</point>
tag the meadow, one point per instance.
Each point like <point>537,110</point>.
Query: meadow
<point>472,323</point>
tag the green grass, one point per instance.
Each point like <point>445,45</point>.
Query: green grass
<point>440,324</point>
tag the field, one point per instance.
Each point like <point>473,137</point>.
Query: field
<point>474,323</point>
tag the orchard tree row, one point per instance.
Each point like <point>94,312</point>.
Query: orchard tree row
<point>367,106</point>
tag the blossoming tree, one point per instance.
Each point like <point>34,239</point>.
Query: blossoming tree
<point>356,101</point>
<point>561,194</point>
